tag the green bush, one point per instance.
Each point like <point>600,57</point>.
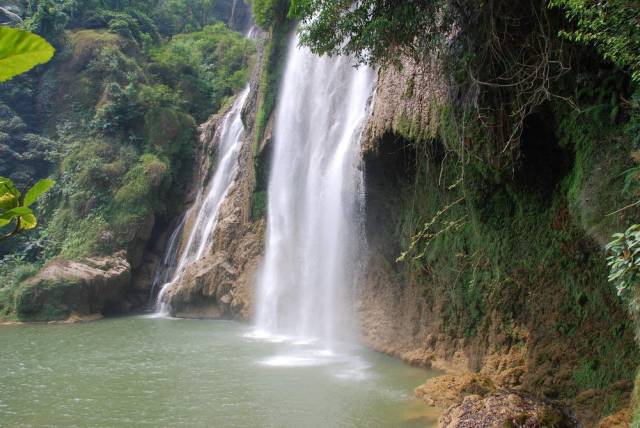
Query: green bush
<point>141,183</point>
<point>206,66</point>
<point>624,259</point>
<point>611,26</point>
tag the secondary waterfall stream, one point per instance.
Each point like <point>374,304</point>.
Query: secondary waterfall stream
<point>315,198</point>
<point>229,136</point>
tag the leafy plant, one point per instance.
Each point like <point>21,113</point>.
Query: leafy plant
<point>15,206</point>
<point>374,31</point>
<point>611,26</point>
<point>20,51</point>
<point>624,259</point>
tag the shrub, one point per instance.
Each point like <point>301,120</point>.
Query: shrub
<point>624,259</point>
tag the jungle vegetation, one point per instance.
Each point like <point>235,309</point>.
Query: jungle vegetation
<point>111,119</point>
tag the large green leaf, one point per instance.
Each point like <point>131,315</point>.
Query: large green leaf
<point>28,222</point>
<point>16,212</point>
<point>24,215</point>
<point>9,195</point>
<point>7,201</point>
<point>20,51</point>
<point>6,185</point>
<point>38,189</point>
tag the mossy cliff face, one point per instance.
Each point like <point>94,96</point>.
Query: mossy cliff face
<point>502,271</point>
<point>112,119</point>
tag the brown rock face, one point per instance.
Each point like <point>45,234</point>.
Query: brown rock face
<point>448,390</point>
<point>81,288</point>
<point>407,100</point>
<point>392,312</point>
<point>505,409</point>
<point>220,285</point>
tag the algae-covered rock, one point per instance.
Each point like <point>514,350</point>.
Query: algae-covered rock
<point>444,391</point>
<point>64,287</point>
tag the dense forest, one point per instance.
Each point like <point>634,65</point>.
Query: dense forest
<point>113,120</point>
<point>500,156</point>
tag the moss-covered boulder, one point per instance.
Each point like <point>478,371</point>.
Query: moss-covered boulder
<point>63,288</point>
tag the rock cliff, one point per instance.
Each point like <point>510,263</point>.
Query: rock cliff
<point>477,299</point>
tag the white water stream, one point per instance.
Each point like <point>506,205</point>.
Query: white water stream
<point>314,208</point>
<point>229,136</point>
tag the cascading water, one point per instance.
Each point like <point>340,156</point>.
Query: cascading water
<point>229,136</point>
<point>167,266</point>
<point>315,199</point>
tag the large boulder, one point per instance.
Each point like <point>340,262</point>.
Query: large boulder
<point>64,288</point>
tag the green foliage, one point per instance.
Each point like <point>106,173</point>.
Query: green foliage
<point>205,66</point>
<point>86,236</point>
<point>373,30</point>
<point>141,182</point>
<point>49,18</point>
<point>119,110</point>
<point>133,24</point>
<point>15,207</point>
<point>272,69</point>
<point>611,26</point>
<point>133,132</point>
<point>183,16</point>
<point>143,21</point>
<point>490,245</point>
<point>624,259</point>
<point>20,51</point>
<point>270,13</point>
<point>258,204</point>
<point>592,374</point>
<point>13,270</point>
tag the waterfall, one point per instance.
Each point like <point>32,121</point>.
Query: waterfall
<point>167,266</point>
<point>229,136</point>
<point>315,196</point>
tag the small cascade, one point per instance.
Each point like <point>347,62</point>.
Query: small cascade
<point>314,218</point>
<point>202,218</point>
<point>167,266</point>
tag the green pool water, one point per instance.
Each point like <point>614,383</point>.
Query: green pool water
<point>140,371</point>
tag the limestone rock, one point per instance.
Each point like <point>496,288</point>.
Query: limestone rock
<point>620,419</point>
<point>505,409</point>
<point>81,288</point>
<point>444,391</point>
